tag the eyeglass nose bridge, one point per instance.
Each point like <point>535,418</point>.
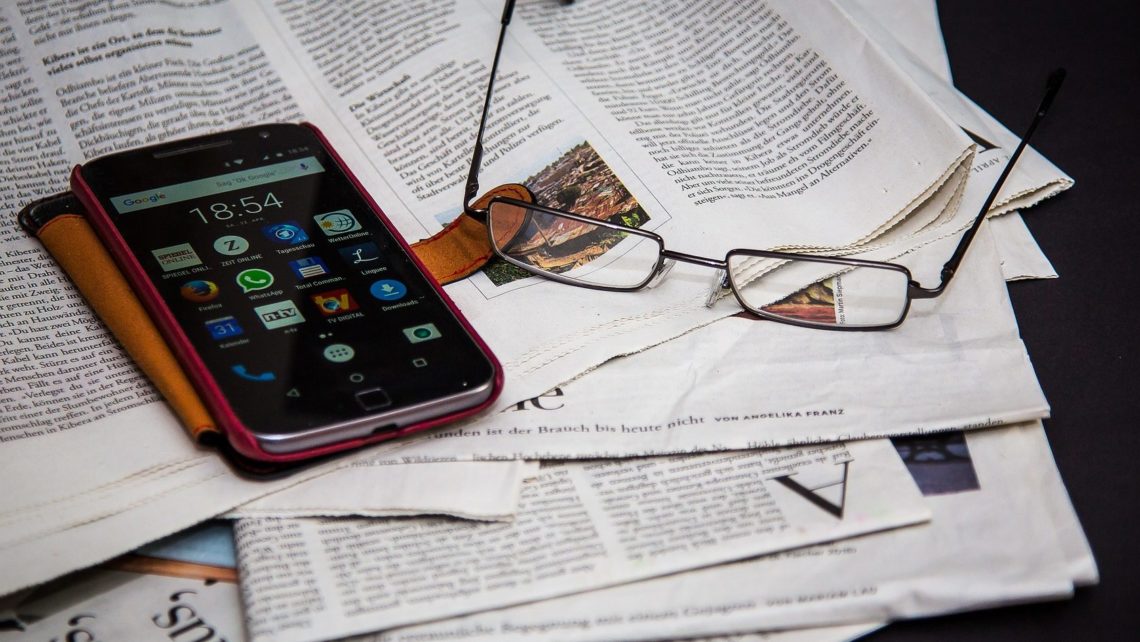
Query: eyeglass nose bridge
<point>670,257</point>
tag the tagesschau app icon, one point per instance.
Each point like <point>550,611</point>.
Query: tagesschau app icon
<point>287,233</point>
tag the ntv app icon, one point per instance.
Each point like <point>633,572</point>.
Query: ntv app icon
<point>279,315</point>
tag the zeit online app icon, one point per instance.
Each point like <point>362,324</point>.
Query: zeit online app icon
<point>231,245</point>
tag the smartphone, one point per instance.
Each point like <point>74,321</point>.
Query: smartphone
<point>302,317</point>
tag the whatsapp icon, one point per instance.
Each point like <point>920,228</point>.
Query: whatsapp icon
<point>254,279</point>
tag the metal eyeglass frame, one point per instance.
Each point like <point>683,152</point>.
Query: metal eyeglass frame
<point>914,289</point>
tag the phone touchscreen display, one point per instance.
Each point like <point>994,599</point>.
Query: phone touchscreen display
<point>302,305</point>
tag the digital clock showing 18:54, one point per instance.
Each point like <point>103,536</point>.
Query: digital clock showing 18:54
<point>223,211</point>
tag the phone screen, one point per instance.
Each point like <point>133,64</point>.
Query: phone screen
<point>306,311</point>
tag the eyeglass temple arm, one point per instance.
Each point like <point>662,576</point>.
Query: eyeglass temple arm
<point>1052,86</point>
<point>472,189</point>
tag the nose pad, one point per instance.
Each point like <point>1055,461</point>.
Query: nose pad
<point>719,285</point>
<point>661,272</point>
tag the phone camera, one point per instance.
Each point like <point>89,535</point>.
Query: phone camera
<point>263,134</point>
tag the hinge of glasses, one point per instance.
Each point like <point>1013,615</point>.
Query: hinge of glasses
<point>666,265</point>
<point>719,285</point>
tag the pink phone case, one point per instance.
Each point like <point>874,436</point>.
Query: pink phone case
<point>238,434</point>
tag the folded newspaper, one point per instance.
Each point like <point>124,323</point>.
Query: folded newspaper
<point>845,153</point>
<point>110,77</point>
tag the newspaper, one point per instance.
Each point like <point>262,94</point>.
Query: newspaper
<point>82,84</point>
<point>113,605</point>
<point>580,526</point>
<point>53,525</point>
<point>565,126</point>
<point>373,488</point>
<point>913,25</point>
<point>741,383</point>
<point>1021,257</point>
<point>1003,532</point>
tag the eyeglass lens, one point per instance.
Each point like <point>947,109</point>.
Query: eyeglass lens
<point>838,295</point>
<point>574,250</point>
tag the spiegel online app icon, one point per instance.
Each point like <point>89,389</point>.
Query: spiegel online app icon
<point>335,302</point>
<point>176,257</point>
<point>338,222</point>
<point>279,315</point>
<point>309,267</point>
<point>288,233</point>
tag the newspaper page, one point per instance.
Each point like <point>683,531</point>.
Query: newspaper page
<point>375,488</point>
<point>95,464</point>
<point>1021,257</point>
<point>741,383</point>
<point>65,531</point>
<point>992,541</point>
<point>913,25</point>
<point>551,132</point>
<point>580,526</point>
<point>113,605</point>
<point>683,416</point>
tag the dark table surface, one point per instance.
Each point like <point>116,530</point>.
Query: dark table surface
<point>1078,329</point>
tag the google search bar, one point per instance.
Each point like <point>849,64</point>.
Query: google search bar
<point>246,178</point>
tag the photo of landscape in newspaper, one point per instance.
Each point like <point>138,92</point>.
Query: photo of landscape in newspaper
<point>815,303</point>
<point>581,182</point>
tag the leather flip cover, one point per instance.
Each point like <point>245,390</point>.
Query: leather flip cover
<point>454,253</point>
<point>462,247</point>
<point>81,254</point>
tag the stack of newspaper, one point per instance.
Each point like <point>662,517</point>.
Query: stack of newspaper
<point>657,467</point>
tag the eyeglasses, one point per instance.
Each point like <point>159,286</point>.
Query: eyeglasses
<point>605,254</point>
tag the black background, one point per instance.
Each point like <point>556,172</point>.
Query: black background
<point>1080,329</point>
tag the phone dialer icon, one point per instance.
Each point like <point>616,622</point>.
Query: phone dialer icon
<point>241,371</point>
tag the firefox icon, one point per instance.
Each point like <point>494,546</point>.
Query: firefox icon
<point>199,291</point>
